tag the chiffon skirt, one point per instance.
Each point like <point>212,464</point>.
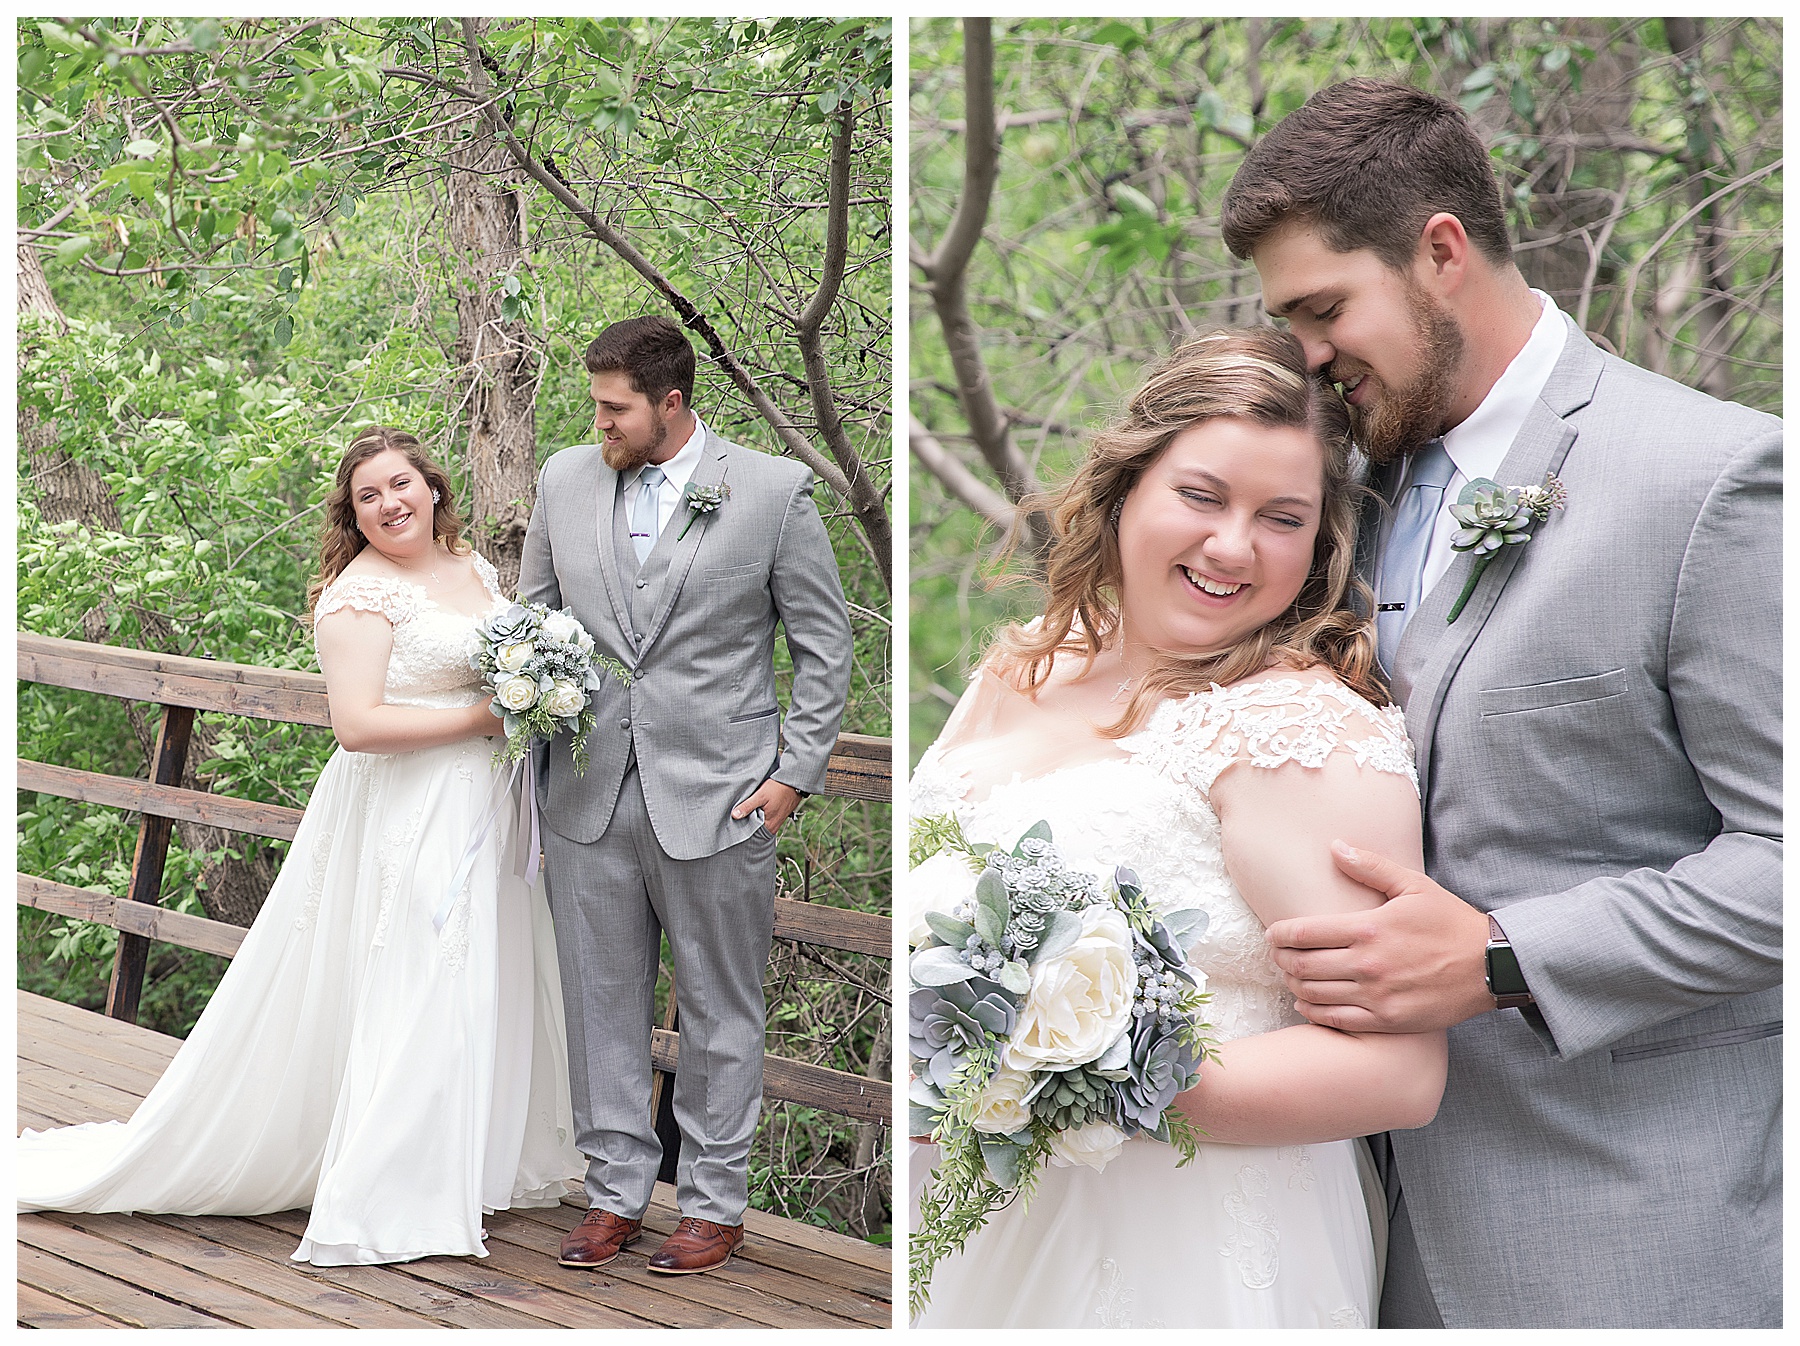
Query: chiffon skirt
<point>1241,1237</point>
<point>398,1079</point>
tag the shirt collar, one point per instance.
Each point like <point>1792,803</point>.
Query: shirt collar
<point>1479,445</point>
<point>679,470</point>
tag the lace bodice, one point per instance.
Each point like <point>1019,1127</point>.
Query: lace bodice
<point>429,665</point>
<point>1150,809</point>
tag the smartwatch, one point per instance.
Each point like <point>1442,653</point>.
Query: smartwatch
<point>1505,982</point>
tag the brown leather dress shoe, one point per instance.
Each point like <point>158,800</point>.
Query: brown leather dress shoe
<point>597,1239</point>
<point>697,1245</point>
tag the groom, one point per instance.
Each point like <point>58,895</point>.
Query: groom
<point>1599,750</point>
<point>679,552</point>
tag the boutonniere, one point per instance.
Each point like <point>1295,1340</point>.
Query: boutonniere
<point>702,500</point>
<point>1495,516</point>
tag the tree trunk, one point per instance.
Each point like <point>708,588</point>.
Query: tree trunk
<point>62,488</point>
<point>499,359</point>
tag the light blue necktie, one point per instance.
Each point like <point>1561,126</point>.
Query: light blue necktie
<point>646,514</point>
<point>1400,582</point>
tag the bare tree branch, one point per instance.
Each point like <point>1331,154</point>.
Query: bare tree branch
<point>958,480</point>
<point>864,496</point>
<point>946,271</point>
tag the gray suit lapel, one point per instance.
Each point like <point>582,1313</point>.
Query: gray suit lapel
<point>682,539</point>
<point>601,508</point>
<point>1433,648</point>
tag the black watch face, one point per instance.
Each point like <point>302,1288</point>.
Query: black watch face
<point>1504,977</point>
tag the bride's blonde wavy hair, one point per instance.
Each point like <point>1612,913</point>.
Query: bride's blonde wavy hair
<point>339,537</point>
<point>1257,374</point>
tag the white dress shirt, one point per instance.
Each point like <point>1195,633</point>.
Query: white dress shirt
<point>677,473</point>
<point>1479,445</point>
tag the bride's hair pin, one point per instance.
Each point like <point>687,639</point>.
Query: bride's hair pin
<point>1117,509</point>
<point>436,495</point>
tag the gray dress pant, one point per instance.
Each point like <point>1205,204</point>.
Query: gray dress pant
<point>1406,1298</point>
<point>612,900</point>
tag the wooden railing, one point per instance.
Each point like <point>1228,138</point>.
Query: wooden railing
<point>861,767</point>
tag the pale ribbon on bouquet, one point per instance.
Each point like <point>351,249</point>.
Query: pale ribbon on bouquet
<point>528,827</point>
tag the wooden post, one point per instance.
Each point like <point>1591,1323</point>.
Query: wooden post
<point>662,1098</point>
<point>166,763</point>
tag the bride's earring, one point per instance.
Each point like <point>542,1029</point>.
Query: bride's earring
<point>1117,509</point>
<point>435,495</point>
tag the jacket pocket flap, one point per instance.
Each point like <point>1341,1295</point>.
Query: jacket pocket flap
<point>1724,1037</point>
<point>1562,692</point>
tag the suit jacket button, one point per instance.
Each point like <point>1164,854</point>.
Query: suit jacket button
<point>624,724</point>
<point>642,583</point>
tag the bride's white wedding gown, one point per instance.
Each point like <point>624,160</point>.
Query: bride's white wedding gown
<point>1244,1236</point>
<point>398,1080</point>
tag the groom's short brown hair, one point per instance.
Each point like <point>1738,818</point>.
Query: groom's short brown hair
<point>652,351</point>
<point>1366,162</point>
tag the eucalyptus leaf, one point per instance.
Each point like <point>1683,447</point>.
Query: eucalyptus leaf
<point>1187,925</point>
<point>951,931</point>
<point>1002,1159</point>
<point>990,896</point>
<point>1062,932</point>
<point>939,967</point>
<point>1015,977</point>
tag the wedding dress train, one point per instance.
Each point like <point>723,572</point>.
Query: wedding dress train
<point>398,1079</point>
<point>1244,1236</point>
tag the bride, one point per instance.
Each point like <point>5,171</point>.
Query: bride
<point>397,1079</point>
<point>1198,703</point>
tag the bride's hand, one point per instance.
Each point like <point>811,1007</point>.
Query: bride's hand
<point>486,723</point>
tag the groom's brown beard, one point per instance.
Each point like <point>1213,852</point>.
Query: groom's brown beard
<point>1404,418</point>
<point>625,456</point>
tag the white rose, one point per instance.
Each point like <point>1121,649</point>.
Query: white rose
<point>1096,1145</point>
<point>1080,1000</point>
<point>937,885</point>
<point>561,627</point>
<point>1001,1109</point>
<point>516,694</point>
<point>511,658</point>
<point>564,699</point>
<point>584,642</point>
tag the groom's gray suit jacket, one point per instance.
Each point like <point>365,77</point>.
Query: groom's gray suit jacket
<point>1599,751</point>
<point>696,626</point>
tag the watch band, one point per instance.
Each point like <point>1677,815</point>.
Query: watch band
<point>1505,979</point>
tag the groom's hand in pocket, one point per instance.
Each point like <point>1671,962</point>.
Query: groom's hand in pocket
<point>1414,964</point>
<point>777,802</point>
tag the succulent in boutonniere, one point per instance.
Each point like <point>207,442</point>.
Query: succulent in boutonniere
<point>702,500</point>
<point>1494,517</point>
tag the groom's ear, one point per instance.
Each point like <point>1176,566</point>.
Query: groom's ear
<point>1442,262</point>
<point>673,403</point>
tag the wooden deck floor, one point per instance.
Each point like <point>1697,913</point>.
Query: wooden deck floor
<point>213,1271</point>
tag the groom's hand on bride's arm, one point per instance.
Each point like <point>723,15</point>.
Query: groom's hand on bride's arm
<point>1413,964</point>
<point>777,801</point>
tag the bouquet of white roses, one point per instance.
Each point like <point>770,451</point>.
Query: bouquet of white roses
<point>543,670</point>
<point>1052,1015</point>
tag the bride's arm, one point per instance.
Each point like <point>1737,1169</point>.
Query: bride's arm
<point>353,650</point>
<point>1309,1084</point>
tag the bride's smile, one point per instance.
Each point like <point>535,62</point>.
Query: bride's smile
<point>1216,538</point>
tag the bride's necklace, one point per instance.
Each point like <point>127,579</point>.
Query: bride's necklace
<point>1130,677</point>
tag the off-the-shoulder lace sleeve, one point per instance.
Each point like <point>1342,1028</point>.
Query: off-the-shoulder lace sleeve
<point>489,577</point>
<point>1268,724</point>
<point>394,599</point>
